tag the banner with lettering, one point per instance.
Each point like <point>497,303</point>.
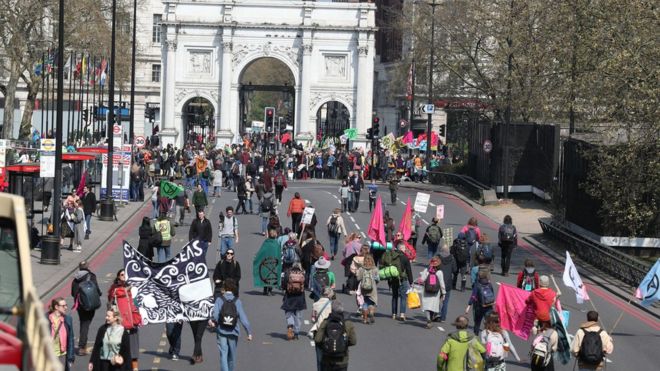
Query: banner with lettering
<point>179,289</point>
<point>515,315</point>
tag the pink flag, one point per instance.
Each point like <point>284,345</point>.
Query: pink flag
<point>515,315</point>
<point>405,227</point>
<point>408,138</point>
<point>376,229</point>
<point>81,185</point>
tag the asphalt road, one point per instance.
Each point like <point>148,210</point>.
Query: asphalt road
<point>387,345</point>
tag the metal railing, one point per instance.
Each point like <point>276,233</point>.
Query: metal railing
<point>607,259</point>
<point>463,183</point>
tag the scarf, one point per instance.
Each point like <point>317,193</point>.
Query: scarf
<point>62,330</point>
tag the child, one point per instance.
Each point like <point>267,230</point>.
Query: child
<point>343,193</point>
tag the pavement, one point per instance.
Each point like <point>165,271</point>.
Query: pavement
<point>48,277</point>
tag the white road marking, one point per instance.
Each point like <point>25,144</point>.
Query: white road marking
<point>348,213</point>
<point>441,329</point>
<point>432,204</point>
<point>608,360</point>
<point>307,202</point>
<point>425,222</point>
<point>213,201</point>
<point>403,203</point>
<point>357,226</point>
<point>363,235</point>
<point>339,202</point>
<point>306,322</point>
<point>352,219</point>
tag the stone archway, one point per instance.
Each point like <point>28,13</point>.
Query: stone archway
<point>332,118</point>
<point>197,119</point>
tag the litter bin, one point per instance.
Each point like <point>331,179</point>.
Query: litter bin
<point>50,250</point>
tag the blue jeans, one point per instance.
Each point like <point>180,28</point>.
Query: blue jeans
<point>433,249</point>
<point>445,305</point>
<point>264,224</point>
<point>163,253</point>
<point>217,190</point>
<point>173,331</point>
<point>154,212</point>
<point>248,201</point>
<point>227,345</point>
<point>400,297</point>
<point>351,200</point>
<point>88,223</point>
<point>205,185</point>
<point>226,242</point>
<point>344,204</point>
<point>334,242</point>
<point>294,319</point>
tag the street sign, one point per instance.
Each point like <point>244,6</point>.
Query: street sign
<point>428,108</point>
<point>116,129</point>
<point>48,145</point>
<point>422,202</point>
<point>308,213</point>
<point>139,142</point>
<point>488,146</point>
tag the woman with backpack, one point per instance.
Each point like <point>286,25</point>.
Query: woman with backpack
<point>497,343</point>
<point>400,284</point>
<point>336,227</point>
<point>432,280</point>
<point>508,240</point>
<point>227,313</point>
<point>481,300</point>
<point>293,302</point>
<point>528,278</point>
<point>432,237</point>
<point>119,295</point>
<point>544,346</point>
<point>367,294</point>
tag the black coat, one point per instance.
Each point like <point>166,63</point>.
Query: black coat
<point>124,351</point>
<point>144,245</point>
<point>292,302</point>
<point>224,270</point>
<point>200,230</point>
<point>89,203</point>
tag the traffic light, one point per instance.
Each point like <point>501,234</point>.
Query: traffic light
<point>375,127</point>
<point>441,130</point>
<point>85,115</point>
<point>269,117</point>
<point>370,133</point>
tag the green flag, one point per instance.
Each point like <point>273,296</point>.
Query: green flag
<point>351,133</point>
<point>169,189</point>
<point>267,265</point>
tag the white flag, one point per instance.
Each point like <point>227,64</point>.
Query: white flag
<point>572,279</point>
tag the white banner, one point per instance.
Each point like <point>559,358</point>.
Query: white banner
<point>422,202</point>
<point>308,213</point>
<point>572,279</point>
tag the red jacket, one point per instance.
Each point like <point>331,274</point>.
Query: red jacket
<point>542,299</point>
<point>296,206</point>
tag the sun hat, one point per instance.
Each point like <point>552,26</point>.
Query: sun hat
<point>322,263</point>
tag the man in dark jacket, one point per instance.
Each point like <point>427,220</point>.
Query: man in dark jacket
<point>508,239</point>
<point>89,207</point>
<point>448,267</point>
<point>200,229</point>
<point>85,316</point>
<point>335,362</point>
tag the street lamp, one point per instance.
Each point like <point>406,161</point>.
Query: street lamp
<point>131,119</point>
<point>107,205</point>
<point>429,126</point>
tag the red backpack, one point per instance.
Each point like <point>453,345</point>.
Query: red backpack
<point>295,282</point>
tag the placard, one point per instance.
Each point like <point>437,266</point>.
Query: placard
<point>308,213</point>
<point>422,202</point>
<point>440,212</point>
<point>47,166</point>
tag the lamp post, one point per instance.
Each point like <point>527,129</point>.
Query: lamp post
<point>131,118</point>
<point>107,205</point>
<point>429,126</point>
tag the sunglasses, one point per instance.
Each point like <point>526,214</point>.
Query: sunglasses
<point>229,253</point>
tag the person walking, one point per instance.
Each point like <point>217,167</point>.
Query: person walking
<point>295,211</point>
<point>225,269</point>
<point>508,240</point>
<point>401,284</point>
<point>482,299</point>
<point>528,278</point>
<point>544,345</point>
<point>320,277</point>
<point>449,269</point>
<point>497,343</point>
<point>454,351</point>
<point>373,193</point>
<point>200,228</point>
<point>60,326</point>
<point>112,348</point>
<point>199,199</point>
<point>249,190</point>
<point>344,195</point>
<point>241,194</point>
<point>472,235</point>
<point>173,333</point>
<point>336,228</point>
<point>432,237</point>
<point>149,238</point>
<point>461,253</point>
<point>119,295</point>
<point>280,185</point>
<point>266,207</point>
<point>542,299</point>
<point>367,276</point>
<point>154,201</point>
<point>591,344</point>
<point>167,232</point>
<point>355,184</point>
<point>87,298</point>
<point>293,302</point>
<point>217,182</point>
<point>182,203</point>
<point>89,207</point>
<point>433,283</point>
<point>393,185</point>
<point>227,312</point>
<point>334,336</point>
<point>228,231</point>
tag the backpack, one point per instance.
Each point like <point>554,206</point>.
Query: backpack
<point>321,280</point>
<point>88,295</point>
<point>494,347</point>
<point>335,339</point>
<point>431,283</point>
<point>393,258</point>
<point>461,251</point>
<point>528,282</point>
<point>235,169</point>
<point>279,180</point>
<point>367,283</point>
<point>228,315</point>
<point>266,205</point>
<point>541,352</point>
<point>333,227</point>
<point>591,350</point>
<point>473,359</point>
<point>485,252</point>
<point>508,233</point>
<point>471,236</point>
<point>295,281</point>
<point>434,234</point>
<point>290,256</point>
<point>486,294</point>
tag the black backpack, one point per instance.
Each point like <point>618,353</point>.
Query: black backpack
<point>266,205</point>
<point>333,227</point>
<point>461,251</point>
<point>335,339</point>
<point>321,280</point>
<point>508,233</point>
<point>88,295</point>
<point>228,317</point>
<point>591,350</point>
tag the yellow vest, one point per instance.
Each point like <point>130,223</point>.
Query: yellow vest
<point>164,227</point>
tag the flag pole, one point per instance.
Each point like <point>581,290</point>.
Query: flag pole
<point>616,323</point>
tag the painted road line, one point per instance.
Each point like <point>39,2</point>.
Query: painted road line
<point>363,235</point>
<point>157,359</point>
<point>441,329</point>
<point>425,222</point>
<point>213,201</point>
<point>162,343</point>
<point>306,322</point>
<point>307,202</point>
<point>432,204</point>
<point>403,203</point>
<point>352,219</point>
<point>357,226</point>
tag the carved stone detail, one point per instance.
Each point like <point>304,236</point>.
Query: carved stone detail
<point>268,48</point>
<point>335,66</point>
<point>321,96</point>
<point>199,62</point>
<point>307,49</point>
<point>227,46</point>
<point>170,45</point>
<point>363,50</point>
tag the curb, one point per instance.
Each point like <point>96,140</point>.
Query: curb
<point>589,272</point>
<point>447,191</point>
<point>91,255</point>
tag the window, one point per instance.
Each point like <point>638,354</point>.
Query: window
<point>155,34</point>
<point>155,73</point>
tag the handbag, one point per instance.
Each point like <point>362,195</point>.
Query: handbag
<point>117,360</point>
<point>413,300</point>
<point>65,229</point>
